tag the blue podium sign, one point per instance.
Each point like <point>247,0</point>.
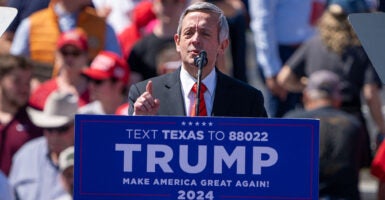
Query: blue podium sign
<point>202,158</point>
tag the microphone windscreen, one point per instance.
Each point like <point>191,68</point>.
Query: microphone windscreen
<point>201,59</point>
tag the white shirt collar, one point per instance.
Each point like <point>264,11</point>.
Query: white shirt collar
<point>188,81</point>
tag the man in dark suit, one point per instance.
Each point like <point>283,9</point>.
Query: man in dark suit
<point>202,26</point>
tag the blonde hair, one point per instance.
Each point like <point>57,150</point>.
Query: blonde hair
<point>335,30</point>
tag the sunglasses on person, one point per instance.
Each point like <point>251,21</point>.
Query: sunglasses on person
<point>101,81</point>
<point>70,53</point>
<point>60,130</point>
<point>97,81</point>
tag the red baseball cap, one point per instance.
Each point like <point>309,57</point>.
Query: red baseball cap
<point>108,65</point>
<point>76,37</point>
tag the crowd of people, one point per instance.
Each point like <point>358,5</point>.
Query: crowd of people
<point>60,58</point>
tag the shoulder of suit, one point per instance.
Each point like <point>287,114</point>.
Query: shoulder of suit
<point>157,80</point>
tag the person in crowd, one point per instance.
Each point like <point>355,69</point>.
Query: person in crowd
<point>66,166</point>
<point>6,191</point>
<point>35,174</point>
<point>377,169</point>
<point>71,57</point>
<point>37,35</point>
<point>381,6</point>
<point>108,77</point>
<point>24,10</point>
<point>236,15</point>
<point>117,12</point>
<point>16,128</point>
<point>167,60</point>
<point>336,48</point>
<point>142,58</point>
<point>363,5</point>
<point>340,135</point>
<point>279,27</point>
<point>141,16</point>
<point>202,26</point>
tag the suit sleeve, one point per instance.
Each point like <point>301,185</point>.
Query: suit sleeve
<point>261,111</point>
<point>133,94</point>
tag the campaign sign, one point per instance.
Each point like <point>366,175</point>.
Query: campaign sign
<point>202,158</point>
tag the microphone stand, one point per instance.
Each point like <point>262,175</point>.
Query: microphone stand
<point>199,77</point>
<point>200,62</point>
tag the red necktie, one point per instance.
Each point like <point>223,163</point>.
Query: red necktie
<point>202,104</point>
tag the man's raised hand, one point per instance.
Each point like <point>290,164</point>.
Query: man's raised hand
<point>146,104</point>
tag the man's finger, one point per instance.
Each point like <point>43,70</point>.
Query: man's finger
<point>149,87</point>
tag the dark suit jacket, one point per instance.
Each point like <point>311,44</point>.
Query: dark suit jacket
<point>232,98</point>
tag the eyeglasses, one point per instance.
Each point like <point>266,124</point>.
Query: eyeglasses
<point>71,53</point>
<point>60,130</point>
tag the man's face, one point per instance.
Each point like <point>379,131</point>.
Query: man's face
<point>72,59</point>
<point>15,87</point>
<point>59,138</point>
<point>199,32</point>
<point>105,90</point>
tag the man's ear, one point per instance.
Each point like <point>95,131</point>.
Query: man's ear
<point>223,46</point>
<point>177,40</point>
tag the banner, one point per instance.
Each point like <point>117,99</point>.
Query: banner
<point>202,158</point>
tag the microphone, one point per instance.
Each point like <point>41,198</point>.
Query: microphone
<point>200,61</point>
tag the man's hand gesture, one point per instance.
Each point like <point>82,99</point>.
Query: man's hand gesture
<point>146,104</point>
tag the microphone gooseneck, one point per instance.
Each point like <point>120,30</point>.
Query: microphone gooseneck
<point>200,61</point>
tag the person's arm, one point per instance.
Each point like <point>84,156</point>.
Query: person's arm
<point>145,104</point>
<point>6,42</point>
<point>289,80</point>
<point>373,100</point>
<point>262,13</point>
<point>6,191</point>
<point>20,44</point>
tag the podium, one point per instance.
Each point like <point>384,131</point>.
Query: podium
<point>142,157</point>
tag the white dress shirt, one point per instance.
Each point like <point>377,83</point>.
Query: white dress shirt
<point>188,82</point>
